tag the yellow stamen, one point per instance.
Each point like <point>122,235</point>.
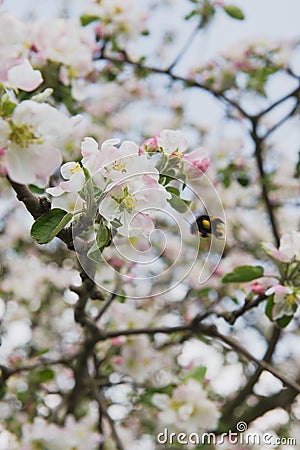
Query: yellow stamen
<point>129,202</point>
<point>291,299</point>
<point>119,166</point>
<point>75,169</point>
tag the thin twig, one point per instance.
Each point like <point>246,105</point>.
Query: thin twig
<point>185,47</point>
<point>103,409</point>
<point>264,187</point>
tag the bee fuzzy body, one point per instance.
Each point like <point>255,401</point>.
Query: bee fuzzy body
<point>208,225</point>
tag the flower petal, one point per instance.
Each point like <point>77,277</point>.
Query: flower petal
<point>23,76</point>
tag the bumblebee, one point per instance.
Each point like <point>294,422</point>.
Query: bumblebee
<point>207,225</point>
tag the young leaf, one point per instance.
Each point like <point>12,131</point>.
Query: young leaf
<point>173,190</point>
<point>47,226</point>
<point>243,274</point>
<point>7,107</point>
<point>36,190</point>
<point>86,19</point>
<point>197,373</point>
<point>103,236</point>
<point>269,307</point>
<point>234,11</point>
<point>102,240</point>
<point>177,203</point>
<point>45,375</point>
<point>146,397</point>
<point>284,321</point>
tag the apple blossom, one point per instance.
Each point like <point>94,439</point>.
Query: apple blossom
<point>72,172</point>
<point>199,162</point>
<point>131,339</point>
<point>36,131</point>
<point>74,434</point>
<point>127,201</point>
<point>289,248</point>
<point>65,42</point>
<point>118,18</point>
<point>285,301</point>
<point>172,141</point>
<point>187,409</point>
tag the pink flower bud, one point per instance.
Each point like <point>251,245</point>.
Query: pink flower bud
<point>257,288</point>
<point>98,29</point>
<point>117,341</point>
<point>151,144</point>
<point>118,360</point>
<point>115,262</point>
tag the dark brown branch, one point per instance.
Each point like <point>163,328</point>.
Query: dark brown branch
<point>294,93</point>
<point>281,121</point>
<point>187,81</point>
<point>232,316</point>
<point>185,47</point>
<point>35,205</point>
<point>228,416</point>
<point>283,399</point>
<point>103,411</point>
<point>263,183</point>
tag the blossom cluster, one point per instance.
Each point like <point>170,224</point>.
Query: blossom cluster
<point>126,178</point>
<point>109,348</point>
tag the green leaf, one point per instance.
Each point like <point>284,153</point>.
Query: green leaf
<point>173,190</point>
<point>102,240</point>
<point>42,352</point>
<point>162,162</point>
<point>269,307</point>
<point>243,180</point>
<point>103,236</point>
<point>234,11</point>
<point>177,203</point>
<point>203,292</point>
<point>35,189</point>
<point>284,321</point>
<point>243,274</point>
<point>3,390</point>
<point>7,107</point>
<point>44,375</point>
<point>47,226</point>
<point>146,397</point>
<point>197,373</point>
<point>86,19</point>
<point>191,14</point>
<point>297,168</point>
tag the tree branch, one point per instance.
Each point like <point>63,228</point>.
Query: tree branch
<point>185,47</point>
<point>264,188</point>
<point>103,410</point>
<point>194,328</point>
<point>38,206</point>
<point>187,81</point>
<point>228,416</point>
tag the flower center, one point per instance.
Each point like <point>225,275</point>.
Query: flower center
<point>119,166</point>
<point>129,202</point>
<point>75,169</point>
<point>22,135</point>
<point>291,299</point>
